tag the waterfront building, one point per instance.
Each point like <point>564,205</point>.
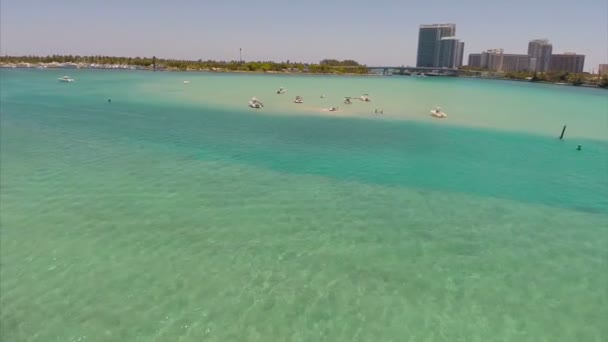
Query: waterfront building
<point>539,52</point>
<point>460,57</point>
<point>450,52</point>
<point>497,60</point>
<point>567,62</point>
<point>515,63</point>
<point>475,60</point>
<point>429,43</point>
<point>492,59</point>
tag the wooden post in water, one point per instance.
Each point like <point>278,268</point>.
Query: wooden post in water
<point>563,131</point>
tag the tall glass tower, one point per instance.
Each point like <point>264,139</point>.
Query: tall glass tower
<point>429,42</point>
<point>539,51</point>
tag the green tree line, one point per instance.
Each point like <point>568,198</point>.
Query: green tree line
<point>325,66</point>
<point>335,62</point>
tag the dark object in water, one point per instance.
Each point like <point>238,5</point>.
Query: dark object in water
<point>563,131</point>
<point>109,100</point>
<point>579,147</point>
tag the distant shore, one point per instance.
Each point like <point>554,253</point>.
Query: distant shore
<point>499,78</point>
<point>75,66</point>
<point>93,66</point>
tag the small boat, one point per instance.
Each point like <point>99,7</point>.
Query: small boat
<point>298,99</point>
<point>347,100</point>
<point>437,113</point>
<point>255,103</point>
<point>186,82</point>
<point>323,96</point>
<point>281,90</point>
<point>365,98</point>
<point>65,79</point>
<point>333,109</point>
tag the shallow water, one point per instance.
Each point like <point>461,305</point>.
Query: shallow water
<point>176,213</point>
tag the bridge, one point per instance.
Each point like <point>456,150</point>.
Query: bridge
<point>394,70</point>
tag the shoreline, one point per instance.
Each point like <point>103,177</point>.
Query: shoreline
<point>131,68</point>
<point>126,67</point>
<point>529,81</point>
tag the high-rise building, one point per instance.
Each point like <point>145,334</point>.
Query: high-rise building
<point>603,69</point>
<point>475,60</point>
<point>539,50</point>
<point>429,42</point>
<point>492,59</point>
<point>531,63</point>
<point>450,52</point>
<point>460,55</point>
<point>515,63</point>
<point>568,62</point>
<point>497,60</point>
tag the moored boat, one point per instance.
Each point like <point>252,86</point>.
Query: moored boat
<point>255,103</point>
<point>365,98</point>
<point>65,79</point>
<point>437,113</point>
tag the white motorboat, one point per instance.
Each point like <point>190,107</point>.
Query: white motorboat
<point>365,98</point>
<point>255,103</point>
<point>333,109</point>
<point>298,99</point>
<point>65,79</point>
<point>281,90</point>
<point>437,113</point>
<point>186,82</point>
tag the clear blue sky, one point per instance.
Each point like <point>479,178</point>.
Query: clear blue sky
<point>372,32</point>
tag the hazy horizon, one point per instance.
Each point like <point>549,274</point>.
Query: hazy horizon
<point>383,33</point>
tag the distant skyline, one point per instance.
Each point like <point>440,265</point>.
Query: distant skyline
<point>383,32</point>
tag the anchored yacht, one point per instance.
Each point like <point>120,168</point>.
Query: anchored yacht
<point>365,98</point>
<point>65,79</point>
<point>255,103</point>
<point>437,113</point>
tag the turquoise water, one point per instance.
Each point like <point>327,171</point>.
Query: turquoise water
<point>176,213</point>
